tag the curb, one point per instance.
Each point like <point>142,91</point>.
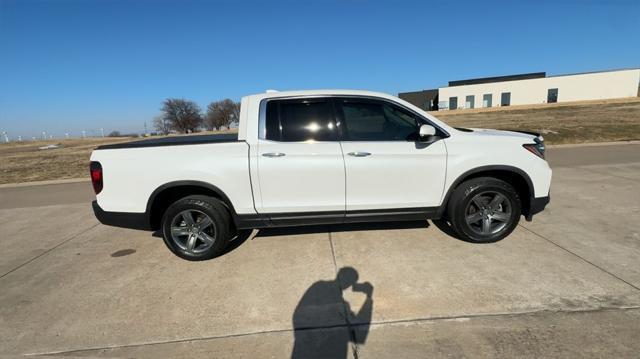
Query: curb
<point>44,183</point>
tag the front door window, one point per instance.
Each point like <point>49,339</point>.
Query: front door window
<point>376,121</point>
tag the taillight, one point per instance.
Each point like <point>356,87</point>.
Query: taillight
<point>95,168</point>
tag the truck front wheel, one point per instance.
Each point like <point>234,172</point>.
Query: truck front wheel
<point>484,210</point>
<point>196,227</point>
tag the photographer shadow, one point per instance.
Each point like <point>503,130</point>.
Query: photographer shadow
<point>322,302</point>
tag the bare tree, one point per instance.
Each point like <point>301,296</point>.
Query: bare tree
<point>236,113</point>
<point>182,115</point>
<point>114,134</point>
<point>214,119</point>
<point>161,124</point>
<point>222,114</point>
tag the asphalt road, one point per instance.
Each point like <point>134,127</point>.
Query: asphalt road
<point>565,285</point>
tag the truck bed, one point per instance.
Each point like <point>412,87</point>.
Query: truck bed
<point>217,161</point>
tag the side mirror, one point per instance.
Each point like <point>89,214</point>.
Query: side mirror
<point>426,132</point>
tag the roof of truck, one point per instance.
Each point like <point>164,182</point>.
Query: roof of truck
<point>275,93</point>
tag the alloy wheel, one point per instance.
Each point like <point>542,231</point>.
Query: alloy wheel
<point>193,231</point>
<point>488,213</point>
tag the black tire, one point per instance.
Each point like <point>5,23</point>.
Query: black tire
<point>475,198</point>
<point>198,206</point>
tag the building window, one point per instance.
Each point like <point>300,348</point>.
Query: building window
<point>469,101</point>
<point>552,95</point>
<point>453,103</point>
<point>486,100</point>
<point>505,99</point>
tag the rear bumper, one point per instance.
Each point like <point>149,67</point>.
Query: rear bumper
<point>536,205</point>
<point>121,219</point>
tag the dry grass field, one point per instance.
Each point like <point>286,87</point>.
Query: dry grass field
<point>25,162</point>
<point>614,120</point>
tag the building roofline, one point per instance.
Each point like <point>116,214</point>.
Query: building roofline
<point>418,91</point>
<point>597,72</point>
<point>492,79</point>
<point>521,77</point>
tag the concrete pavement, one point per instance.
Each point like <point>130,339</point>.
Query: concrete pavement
<point>46,195</point>
<point>566,284</point>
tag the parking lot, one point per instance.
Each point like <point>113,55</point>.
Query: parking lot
<point>566,284</point>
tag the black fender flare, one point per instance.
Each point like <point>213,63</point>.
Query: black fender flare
<point>480,169</point>
<point>225,199</point>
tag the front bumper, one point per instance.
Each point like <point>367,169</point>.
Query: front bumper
<point>121,219</point>
<point>536,205</point>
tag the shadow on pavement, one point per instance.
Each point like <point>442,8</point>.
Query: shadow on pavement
<point>237,241</point>
<point>123,252</point>
<point>320,301</point>
<point>446,228</point>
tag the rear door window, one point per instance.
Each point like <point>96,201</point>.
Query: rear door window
<point>300,120</point>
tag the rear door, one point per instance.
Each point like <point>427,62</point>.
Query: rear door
<point>300,164</point>
<point>386,168</point>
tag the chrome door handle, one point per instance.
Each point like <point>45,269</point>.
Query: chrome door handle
<point>359,154</point>
<point>273,154</point>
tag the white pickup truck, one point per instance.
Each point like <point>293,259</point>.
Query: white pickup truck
<point>321,157</point>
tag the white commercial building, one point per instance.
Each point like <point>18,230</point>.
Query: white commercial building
<point>537,88</point>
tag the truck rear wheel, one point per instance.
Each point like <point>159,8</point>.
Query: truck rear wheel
<point>196,227</point>
<point>484,210</point>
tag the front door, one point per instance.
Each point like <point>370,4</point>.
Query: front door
<point>385,167</point>
<point>300,164</point>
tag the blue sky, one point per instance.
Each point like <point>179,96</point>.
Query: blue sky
<point>67,66</point>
